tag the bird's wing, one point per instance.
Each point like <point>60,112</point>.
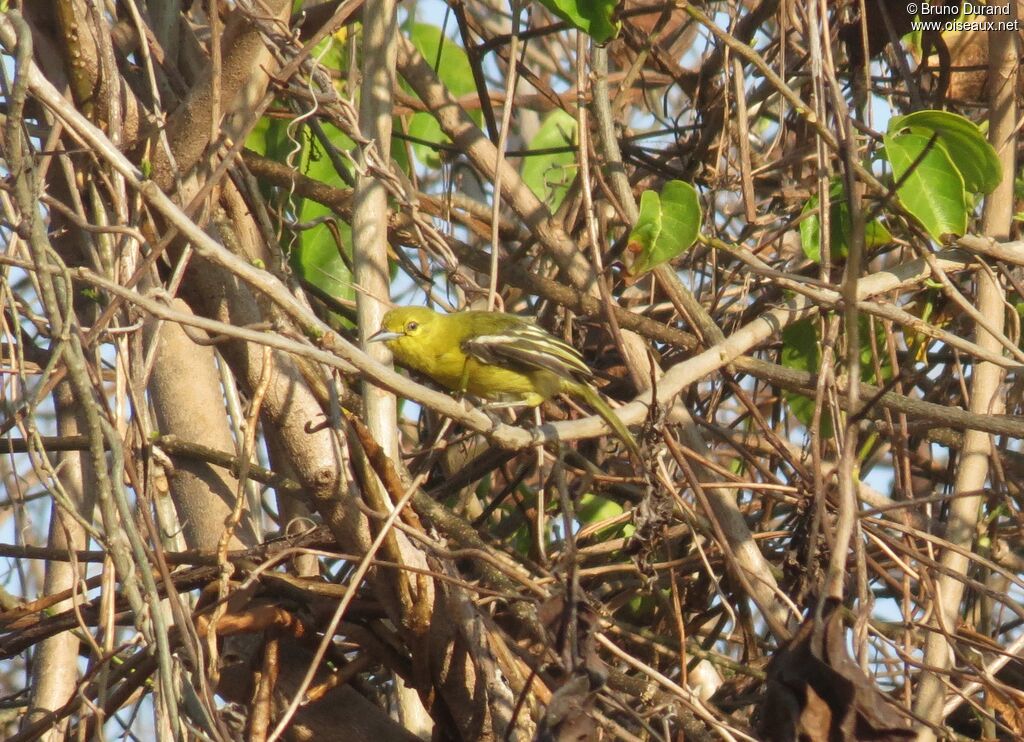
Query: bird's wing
<point>526,345</point>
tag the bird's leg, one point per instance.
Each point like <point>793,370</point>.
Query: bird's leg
<point>503,405</point>
<point>493,409</point>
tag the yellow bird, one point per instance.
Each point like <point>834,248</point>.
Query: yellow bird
<point>494,356</point>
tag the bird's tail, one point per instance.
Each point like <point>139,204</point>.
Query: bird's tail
<point>590,395</point>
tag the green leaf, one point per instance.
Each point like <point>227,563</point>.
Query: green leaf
<point>424,127</point>
<point>594,17</point>
<point>270,138</point>
<point>800,351</point>
<point>875,233</point>
<point>317,258</point>
<point>667,226</point>
<point>965,143</point>
<point>332,53</point>
<point>867,363</point>
<point>549,175</point>
<point>648,223</point>
<point>93,295</point>
<point>452,66</point>
<point>931,187</point>
<point>313,253</point>
<point>317,254</point>
<point>593,508</point>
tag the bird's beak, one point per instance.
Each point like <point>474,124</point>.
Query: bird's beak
<point>383,335</point>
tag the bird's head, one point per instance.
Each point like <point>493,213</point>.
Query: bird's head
<point>404,323</point>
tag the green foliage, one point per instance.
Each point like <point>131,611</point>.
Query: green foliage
<point>269,138</point>
<point>594,17</point>
<point>667,226</point>
<point>924,307</point>
<point>939,160</point>
<point>593,508</point>
<point>550,174</point>
<point>452,66</point>
<point>841,226</point>
<point>315,253</point>
<point>930,186</point>
<point>964,142</point>
<point>801,350</point>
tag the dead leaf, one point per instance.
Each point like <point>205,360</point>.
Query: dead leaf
<point>816,692</point>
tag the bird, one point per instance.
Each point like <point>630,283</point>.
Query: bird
<point>503,358</point>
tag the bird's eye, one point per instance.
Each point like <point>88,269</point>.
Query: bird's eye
<point>411,326</point>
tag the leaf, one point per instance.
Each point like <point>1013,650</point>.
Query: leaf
<point>313,253</point>
<point>800,346</point>
<point>800,351</point>
<point>668,225</point>
<point>867,353</point>
<point>593,17</point>
<point>424,128</point>
<point>452,66</point>
<point>810,230</point>
<point>593,508</point>
<point>875,233</point>
<point>333,54</point>
<point>549,175</point>
<point>316,255</point>
<point>931,187</point>
<point>815,691</point>
<point>965,143</point>
<point>648,223</point>
<point>269,138</point>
